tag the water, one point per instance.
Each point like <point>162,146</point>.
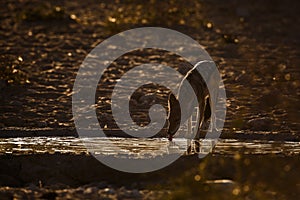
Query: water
<point>142,147</point>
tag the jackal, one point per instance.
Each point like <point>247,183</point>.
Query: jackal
<point>205,86</point>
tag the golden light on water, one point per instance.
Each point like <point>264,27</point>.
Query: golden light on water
<point>236,191</point>
<point>246,188</point>
<point>287,77</point>
<point>112,19</point>
<point>182,22</point>
<point>237,156</point>
<point>73,16</point>
<point>197,177</point>
<point>209,25</point>
<point>57,9</point>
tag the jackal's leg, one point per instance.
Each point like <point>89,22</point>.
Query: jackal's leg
<point>189,132</point>
<point>213,103</point>
<point>200,120</point>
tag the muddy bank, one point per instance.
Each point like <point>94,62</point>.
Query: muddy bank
<point>60,167</point>
<point>230,177</point>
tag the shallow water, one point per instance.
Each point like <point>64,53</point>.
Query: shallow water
<point>142,147</point>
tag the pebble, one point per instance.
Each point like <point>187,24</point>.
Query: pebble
<point>31,186</point>
<point>15,103</point>
<point>90,190</point>
<point>109,191</point>
<point>32,91</point>
<point>101,184</point>
<point>279,112</point>
<point>260,124</point>
<point>223,185</point>
<point>41,124</point>
<point>136,193</point>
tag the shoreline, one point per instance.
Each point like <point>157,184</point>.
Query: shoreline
<point>66,132</point>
